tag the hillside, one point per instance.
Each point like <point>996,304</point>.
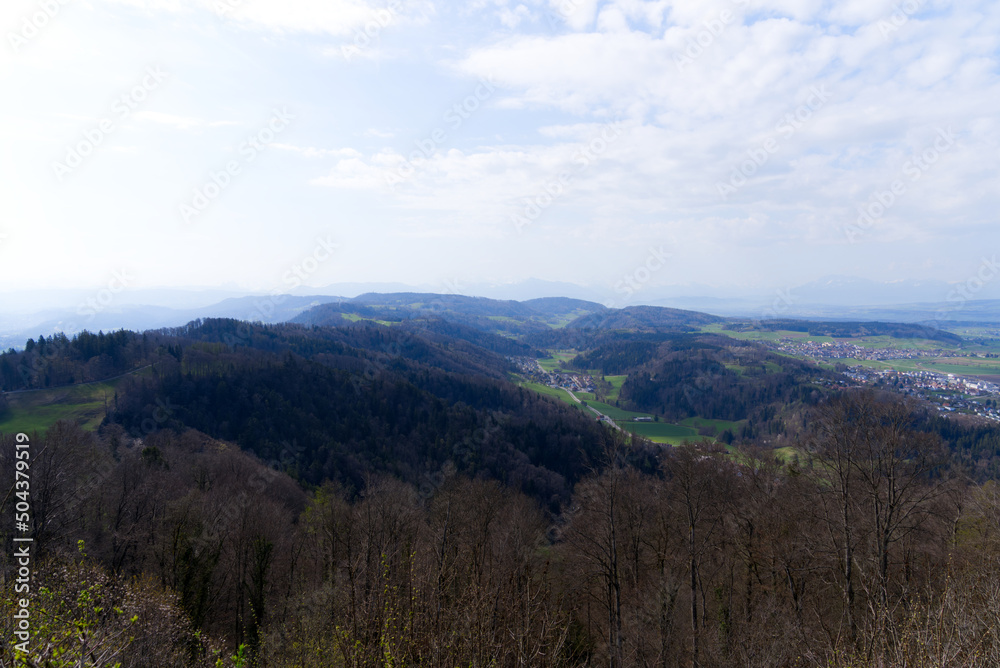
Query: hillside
<point>645,319</point>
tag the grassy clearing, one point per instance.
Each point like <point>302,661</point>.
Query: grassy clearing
<point>721,425</point>
<point>661,432</point>
<point>554,392</point>
<point>40,409</point>
<point>787,454</point>
<point>557,359</point>
<point>616,385</point>
<point>354,317</point>
<point>558,322</point>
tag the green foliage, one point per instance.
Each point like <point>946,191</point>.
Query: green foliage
<point>81,617</point>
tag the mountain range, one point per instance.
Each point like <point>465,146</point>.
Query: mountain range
<point>28,314</point>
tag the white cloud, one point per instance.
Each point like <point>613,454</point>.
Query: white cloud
<point>179,122</point>
<point>339,18</point>
<point>312,152</point>
<point>700,87</point>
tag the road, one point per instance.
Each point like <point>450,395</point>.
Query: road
<point>92,382</point>
<point>599,414</point>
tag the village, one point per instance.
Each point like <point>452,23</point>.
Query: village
<point>843,350</point>
<point>950,393</point>
<point>533,371</point>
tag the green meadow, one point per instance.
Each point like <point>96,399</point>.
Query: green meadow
<point>37,410</point>
<point>554,392</point>
<point>662,432</point>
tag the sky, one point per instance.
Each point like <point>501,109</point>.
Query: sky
<point>275,144</point>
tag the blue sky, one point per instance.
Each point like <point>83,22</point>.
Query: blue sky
<point>229,142</point>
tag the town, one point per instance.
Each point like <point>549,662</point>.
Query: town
<point>950,393</point>
<point>842,351</point>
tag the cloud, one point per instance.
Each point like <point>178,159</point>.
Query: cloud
<point>313,152</point>
<point>338,18</point>
<point>718,79</point>
<point>179,122</point>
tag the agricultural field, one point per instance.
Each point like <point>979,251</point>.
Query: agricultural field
<point>616,413</point>
<point>721,425</point>
<point>872,342</point>
<point>662,432</point>
<point>658,432</point>
<point>772,337</point>
<point>557,359</point>
<point>962,366</point>
<point>616,385</point>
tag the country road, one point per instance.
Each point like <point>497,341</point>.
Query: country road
<point>92,382</point>
<point>596,412</point>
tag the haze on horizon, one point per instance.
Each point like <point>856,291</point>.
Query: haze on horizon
<point>728,143</point>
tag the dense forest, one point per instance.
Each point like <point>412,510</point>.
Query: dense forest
<point>372,495</point>
<point>177,549</point>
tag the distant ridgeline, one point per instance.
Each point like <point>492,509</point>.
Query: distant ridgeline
<point>849,330</point>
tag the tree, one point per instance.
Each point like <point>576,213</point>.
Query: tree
<point>699,481</point>
<point>873,478</point>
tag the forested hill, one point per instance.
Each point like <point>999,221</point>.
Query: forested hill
<point>87,357</point>
<point>337,404</point>
<point>645,318</point>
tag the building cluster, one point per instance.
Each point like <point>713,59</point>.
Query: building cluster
<point>950,393</point>
<point>574,382</point>
<point>844,350</point>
